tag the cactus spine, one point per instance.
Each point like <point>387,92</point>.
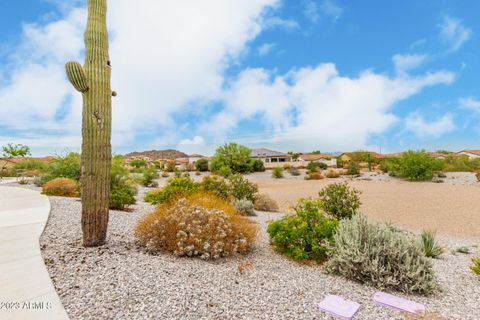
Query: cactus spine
<point>93,81</point>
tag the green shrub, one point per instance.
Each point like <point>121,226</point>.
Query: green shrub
<point>430,246</point>
<point>476,266</point>
<point>316,166</point>
<point>201,165</point>
<point>294,171</point>
<point>264,203</point>
<point>244,207</point>
<point>454,163</point>
<point>277,172</point>
<point>122,194</point>
<point>232,156</point>
<point>139,163</point>
<point>216,185</point>
<point>418,165</point>
<point>224,171</point>
<point>339,200</point>
<point>390,165</point>
<point>29,165</point>
<point>175,188</point>
<point>158,165</point>
<point>258,165</point>
<point>122,187</point>
<point>305,235</point>
<point>63,167</point>
<point>241,188</point>
<point>353,169</point>
<point>149,175</point>
<point>380,255</point>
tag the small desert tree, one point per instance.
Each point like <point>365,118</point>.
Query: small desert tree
<point>11,151</point>
<point>93,81</point>
<point>233,156</point>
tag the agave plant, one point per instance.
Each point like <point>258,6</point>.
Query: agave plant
<point>431,247</point>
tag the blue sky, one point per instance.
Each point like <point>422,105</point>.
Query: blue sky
<point>289,75</point>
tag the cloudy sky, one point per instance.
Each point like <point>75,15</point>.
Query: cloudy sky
<point>289,75</point>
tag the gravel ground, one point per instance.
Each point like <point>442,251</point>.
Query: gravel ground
<point>450,208</point>
<point>121,281</point>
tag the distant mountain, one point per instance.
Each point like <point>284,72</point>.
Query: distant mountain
<point>158,154</point>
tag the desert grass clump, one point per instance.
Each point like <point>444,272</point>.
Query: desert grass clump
<point>263,202</point>
<point>62,187</point>
<point>314,175</point>
<point>277,172</point>
<point>165,174</point>
<point>294,171</point>
<point>340,200</point>
<point>476,266</point>
<point>332,173</point>
<point>380,255</point>
<point>201,225</point>
<point>431,247</point>
<point>244,207</point>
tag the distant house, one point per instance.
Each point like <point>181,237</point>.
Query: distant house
<point>436,155</point>
<point>195,157</point>
<point>472,154</point>
<point>270,156</point>
<point>324,158</point>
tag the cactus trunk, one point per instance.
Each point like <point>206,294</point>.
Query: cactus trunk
<point>93,81</point>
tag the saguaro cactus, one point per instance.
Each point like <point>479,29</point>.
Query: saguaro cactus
<point>93,81</point>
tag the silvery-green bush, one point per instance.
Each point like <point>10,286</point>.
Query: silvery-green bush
<point>382,256</point>
<point>244,207</point>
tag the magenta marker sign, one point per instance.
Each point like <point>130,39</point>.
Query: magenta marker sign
<point>339,307</point>
<point>398,303</point>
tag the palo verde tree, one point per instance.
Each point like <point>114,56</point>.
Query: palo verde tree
<point>11,151</point>
<point>93,81</point>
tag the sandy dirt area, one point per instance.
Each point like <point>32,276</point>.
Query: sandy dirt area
<point>448,208</point>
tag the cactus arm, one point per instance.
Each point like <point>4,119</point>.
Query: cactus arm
<point>76,76</point>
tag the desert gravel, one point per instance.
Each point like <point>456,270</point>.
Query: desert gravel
<point>121,281</point>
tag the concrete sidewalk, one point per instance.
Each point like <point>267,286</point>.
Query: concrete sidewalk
<point>26,291</point>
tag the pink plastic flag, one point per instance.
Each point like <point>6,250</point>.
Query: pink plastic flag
<point>339,307</point>
<point>398,303</point>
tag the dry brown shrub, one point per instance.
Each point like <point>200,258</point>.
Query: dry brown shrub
<point>331,173</point>
<point>198,225</point>
<point>165,174</point>
<point>62,187</point>
<point>198,173</point>
<point>286,166</point>
<point>263,202</point>
<point>315,175</point>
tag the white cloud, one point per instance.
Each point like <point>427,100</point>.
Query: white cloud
<point>195,141</point>
<point>406,62</point>
<point>314,10</point>
<point>276,22</point>
<point>470,103</point>
<point>165,55</point>
<point>317,107</point>
<point>424,129</point>
<point>453,33</point>
<point>265,49</point>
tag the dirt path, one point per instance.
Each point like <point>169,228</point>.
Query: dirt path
<point>452,210</point>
